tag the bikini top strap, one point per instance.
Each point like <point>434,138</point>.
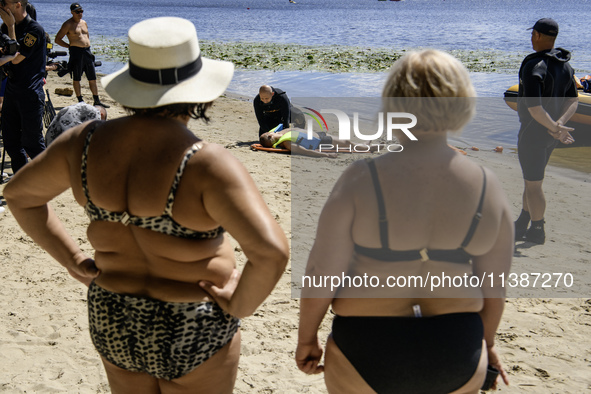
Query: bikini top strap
<point>478,214</point>
<point>91,129</point>
<point>381,206</point>
<point>177,177</point>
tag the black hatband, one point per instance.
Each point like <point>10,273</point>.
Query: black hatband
<point>165,76</point>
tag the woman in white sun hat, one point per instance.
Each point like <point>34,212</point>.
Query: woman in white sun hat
<point>164,295</point>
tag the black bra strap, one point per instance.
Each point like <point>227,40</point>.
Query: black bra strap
<point>381,205</point>
<point>478,214</point>
<point>382,208</point>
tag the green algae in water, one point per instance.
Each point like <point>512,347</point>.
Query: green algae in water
<point>337,59</point>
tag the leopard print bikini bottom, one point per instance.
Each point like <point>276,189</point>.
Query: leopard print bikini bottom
<point>164,339</point>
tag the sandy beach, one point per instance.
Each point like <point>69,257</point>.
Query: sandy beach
<point>545,343</point>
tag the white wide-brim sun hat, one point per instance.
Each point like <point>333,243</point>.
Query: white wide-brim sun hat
<point>166,67</point>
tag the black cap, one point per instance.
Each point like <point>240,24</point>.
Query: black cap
<point>75,7</point>
<point>546,26</point>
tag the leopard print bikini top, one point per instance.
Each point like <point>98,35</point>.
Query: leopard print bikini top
<point>164,223</point>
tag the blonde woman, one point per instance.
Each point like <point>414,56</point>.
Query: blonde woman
<point>422,212</point>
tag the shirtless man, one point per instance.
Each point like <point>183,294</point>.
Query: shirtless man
<point>81,58</point>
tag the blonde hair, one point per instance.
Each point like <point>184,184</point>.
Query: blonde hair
<point>432,85</point>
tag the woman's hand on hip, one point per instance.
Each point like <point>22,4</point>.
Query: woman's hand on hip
<point>85,271</point>
<point>222,295</point>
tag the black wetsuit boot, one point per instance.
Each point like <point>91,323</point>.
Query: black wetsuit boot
<point>536,233</point>
<point>521,225</point>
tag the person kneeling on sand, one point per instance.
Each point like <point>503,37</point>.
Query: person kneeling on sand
<point>272,108</point>
<point>319,145</point>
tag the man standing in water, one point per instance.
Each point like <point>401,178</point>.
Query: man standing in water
<point>547,100</point>
<point>81,58</point>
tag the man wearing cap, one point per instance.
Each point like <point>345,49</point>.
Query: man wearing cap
<point>547,100</point>
<point>22,120</point>
<point>81,58</point>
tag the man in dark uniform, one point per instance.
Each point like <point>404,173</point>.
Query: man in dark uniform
<point>547,100</point>
<point>22,111</point>
<point>272,108</point>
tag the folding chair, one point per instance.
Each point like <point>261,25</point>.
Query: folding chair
<point>3,158</point>
<point>48,111</point>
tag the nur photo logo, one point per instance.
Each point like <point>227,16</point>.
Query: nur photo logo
<point>347,125</point>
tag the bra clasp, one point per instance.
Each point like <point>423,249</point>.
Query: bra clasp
<point>125,219</point>
<point>424,255</point>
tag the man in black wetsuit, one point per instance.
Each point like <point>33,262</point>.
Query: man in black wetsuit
<point>547,100</point>
<point>22,118</point>
<point>272,108</point>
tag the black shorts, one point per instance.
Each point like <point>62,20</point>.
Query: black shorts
<point>534,147</point>
<point>82,61</point>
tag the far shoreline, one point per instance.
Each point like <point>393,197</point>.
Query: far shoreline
<point>574,163</point>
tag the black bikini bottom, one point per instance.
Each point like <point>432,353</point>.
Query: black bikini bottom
<point>437,354</point>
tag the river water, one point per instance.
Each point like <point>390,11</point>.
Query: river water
<point>498,26</point>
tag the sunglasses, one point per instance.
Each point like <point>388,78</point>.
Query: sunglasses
<point>79,11</point>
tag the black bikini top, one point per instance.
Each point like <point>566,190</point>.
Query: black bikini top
<point>164,223</point>
<point>384,253</point>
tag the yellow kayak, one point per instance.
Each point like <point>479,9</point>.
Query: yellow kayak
<point>583,114</point>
